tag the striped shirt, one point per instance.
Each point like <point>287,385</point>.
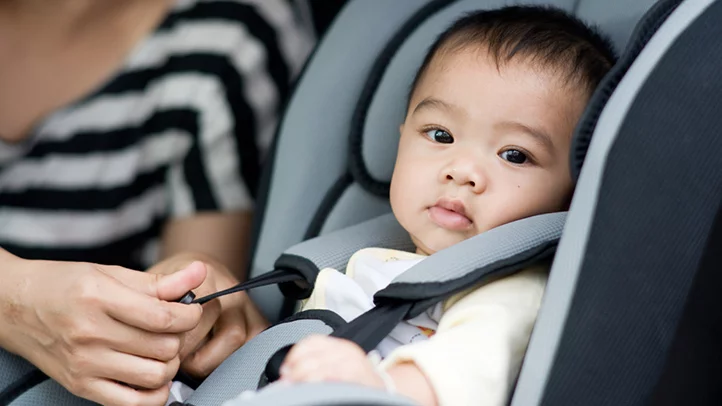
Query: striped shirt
<point>181,128</point>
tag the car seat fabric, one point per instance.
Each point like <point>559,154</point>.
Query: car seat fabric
<point>49,393</point>
<point>17,376</point>
<point>623,322</point>
<point>244,369</point>
<point>323,395</point>
<point>355,89</point>
<point>12,367</point>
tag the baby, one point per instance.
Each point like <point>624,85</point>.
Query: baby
<point>486,141</point>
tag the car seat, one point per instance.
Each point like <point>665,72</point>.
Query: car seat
<point>631,315</point>
<point>337,142</point>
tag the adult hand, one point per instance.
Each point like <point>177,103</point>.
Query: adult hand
<point>105,333</point>
<point>227,322</point>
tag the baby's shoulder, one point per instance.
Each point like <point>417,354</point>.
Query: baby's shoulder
<point>523,288</point>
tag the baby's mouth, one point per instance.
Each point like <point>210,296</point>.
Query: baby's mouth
<point>450,214</point>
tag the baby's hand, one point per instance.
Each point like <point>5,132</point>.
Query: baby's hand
<point>322,358</point>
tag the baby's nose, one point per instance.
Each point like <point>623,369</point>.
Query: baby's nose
<point>465,175</point>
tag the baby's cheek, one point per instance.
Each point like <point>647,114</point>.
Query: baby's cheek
<point>536,199</point>
<point>437,239</point>
<point>512,208</point>
<point>556,197</point>
<point>407,194</point>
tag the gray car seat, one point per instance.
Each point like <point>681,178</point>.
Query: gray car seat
<point>631,315</point>
<point>337,141</point>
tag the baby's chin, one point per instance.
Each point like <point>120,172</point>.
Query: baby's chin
<point>432,244</point>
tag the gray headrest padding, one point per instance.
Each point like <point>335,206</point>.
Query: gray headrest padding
<point>334,249</point>
<point>322,394</point>
<point>355,206</point>
<point>615,18</point>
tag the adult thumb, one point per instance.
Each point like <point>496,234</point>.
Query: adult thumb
<point>174,286</point>
<point>169,287</point>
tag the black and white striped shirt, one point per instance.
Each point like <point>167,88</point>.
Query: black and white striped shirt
<point>180,129</point>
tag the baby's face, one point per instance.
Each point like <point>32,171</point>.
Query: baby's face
<point>481,147</point>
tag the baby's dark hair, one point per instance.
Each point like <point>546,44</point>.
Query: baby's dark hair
<point>547,36</point>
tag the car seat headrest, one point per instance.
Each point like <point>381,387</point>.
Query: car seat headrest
<point>347,108</point>
<point>381,107</point>
<point>588,122</point>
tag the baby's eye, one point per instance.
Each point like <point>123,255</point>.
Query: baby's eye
<point>440,136</point>
<point>514,156</point>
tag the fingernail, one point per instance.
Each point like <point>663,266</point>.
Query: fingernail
<point>189,266</point>
<point>283,370</point>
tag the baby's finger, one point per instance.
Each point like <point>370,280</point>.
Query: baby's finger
<point>309,347</point>
<point>315,342</point>
<point>310,370</point>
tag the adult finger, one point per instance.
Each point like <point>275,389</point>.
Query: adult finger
<point>134,341</point>
<point>148,313</point>
<point>174,286</point>
<point>136,371</point>
<point>165,287</point>
<point>195,338</point>
<point>107,392</point>
<point>229,334</point>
